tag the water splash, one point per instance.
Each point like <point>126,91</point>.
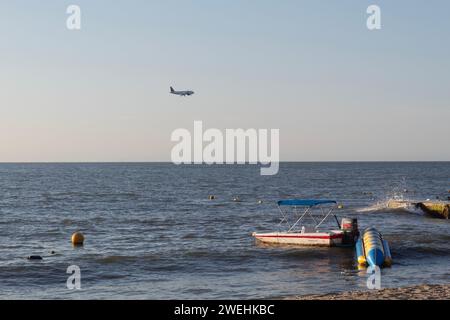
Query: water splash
<point>392,205</point>
<point>398,199</point>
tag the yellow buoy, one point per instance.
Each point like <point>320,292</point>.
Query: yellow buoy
<point>77,239</point>
<point>361,267</point>
<point>341,206</point>
<point>362,260</point>
<point>212,197</point>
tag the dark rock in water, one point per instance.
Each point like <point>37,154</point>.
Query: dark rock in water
<point>435,209</point>
<point>34,258</point>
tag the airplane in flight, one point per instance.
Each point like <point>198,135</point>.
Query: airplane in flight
<point>181,93</point>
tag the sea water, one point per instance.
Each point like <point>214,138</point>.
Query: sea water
<point>152,233</point>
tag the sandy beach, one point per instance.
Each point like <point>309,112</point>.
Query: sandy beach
<point>420,292</point>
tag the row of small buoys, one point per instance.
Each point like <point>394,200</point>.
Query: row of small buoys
<point>235,199</point>
<point>439,198</point>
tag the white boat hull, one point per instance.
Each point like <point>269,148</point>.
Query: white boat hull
<point>322,239</point>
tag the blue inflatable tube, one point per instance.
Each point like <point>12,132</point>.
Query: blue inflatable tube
<point>387,254</point>
<point>375,257</point>
<point>360,256</point>
<point>372,249</point>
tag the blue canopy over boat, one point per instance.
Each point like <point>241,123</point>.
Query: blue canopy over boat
<point>303,202</point>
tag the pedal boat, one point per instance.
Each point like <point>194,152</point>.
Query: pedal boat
<point>315,234</point>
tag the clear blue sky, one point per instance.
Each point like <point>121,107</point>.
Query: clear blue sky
<point>336,90</point>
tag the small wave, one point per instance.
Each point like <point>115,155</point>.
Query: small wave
<point>68,222</point>
<point>190,236</point>
<point>421,252</point>
<point>373,208</point>
<point>106,276</point>
<point>196,291</point>
<point>198,253</point>
<point>49,198</point>
<point>124,258</point>
<point>116,259</point>
<point>391,205</point>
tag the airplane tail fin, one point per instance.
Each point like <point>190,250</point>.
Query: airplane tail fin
<point>171,89</point>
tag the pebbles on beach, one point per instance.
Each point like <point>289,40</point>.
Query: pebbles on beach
<point>421,292</point>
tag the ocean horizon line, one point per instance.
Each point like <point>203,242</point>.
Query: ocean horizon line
<point>221,164</point>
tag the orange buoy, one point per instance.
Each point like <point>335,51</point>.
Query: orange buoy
<point>77,239</point>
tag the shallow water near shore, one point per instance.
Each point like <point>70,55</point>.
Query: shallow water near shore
<point>152,233</point>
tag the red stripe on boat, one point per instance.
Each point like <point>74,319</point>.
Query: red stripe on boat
<point>335,236</point>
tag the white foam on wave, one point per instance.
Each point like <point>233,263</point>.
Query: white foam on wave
<point>374,207</point>
<point>392,205</point>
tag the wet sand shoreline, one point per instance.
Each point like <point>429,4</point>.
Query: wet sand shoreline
<point>419,292</point>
